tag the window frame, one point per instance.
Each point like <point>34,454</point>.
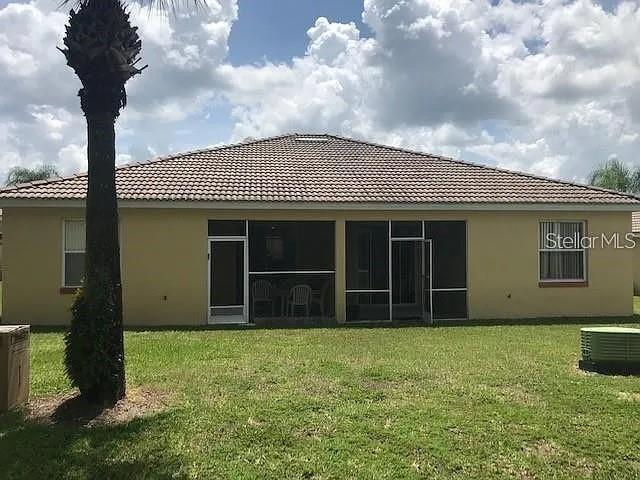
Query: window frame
<point>562,281</point>
<point>63,283</point>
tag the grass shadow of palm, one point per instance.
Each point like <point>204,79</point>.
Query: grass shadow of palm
<point>67,448</point>
<point>76,411</point>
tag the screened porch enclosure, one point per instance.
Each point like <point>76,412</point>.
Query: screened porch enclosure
<point>286,268</point>
<point>406,271</point>
<point>283,272</point>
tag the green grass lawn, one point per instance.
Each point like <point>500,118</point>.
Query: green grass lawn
<point>466,402</point>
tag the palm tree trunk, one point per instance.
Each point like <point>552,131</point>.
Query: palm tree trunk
<point>103,49</point>
<point>103,288</point>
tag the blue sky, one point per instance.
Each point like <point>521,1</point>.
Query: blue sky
<point>276,31</point>
<point>546,86</point>
<point>267,32</point>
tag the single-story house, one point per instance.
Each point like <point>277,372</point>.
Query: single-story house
<point>301,228</point>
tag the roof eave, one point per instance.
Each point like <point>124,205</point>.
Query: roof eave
<point>299,205</point>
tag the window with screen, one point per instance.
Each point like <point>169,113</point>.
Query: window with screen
<point>561,254</point>
<point>73,253</point>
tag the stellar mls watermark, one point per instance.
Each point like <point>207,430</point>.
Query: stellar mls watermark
<point>556,241</point>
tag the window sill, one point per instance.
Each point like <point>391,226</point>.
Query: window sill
<point>68,290</point>
<point>578,283</point>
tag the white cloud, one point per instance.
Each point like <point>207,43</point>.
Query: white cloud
<point>52,121</point>
<point>40,117</point>
<point>328,41</point>
<point>72,158</point>
<point>550,87</point>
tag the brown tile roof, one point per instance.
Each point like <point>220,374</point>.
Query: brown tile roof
<point>321,168</point>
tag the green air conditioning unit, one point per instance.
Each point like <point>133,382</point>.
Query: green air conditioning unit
<point>610,350</point>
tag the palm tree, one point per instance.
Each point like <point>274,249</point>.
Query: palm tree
<point>615,175</point>
<point>102,48</point>
<point>18,175</point>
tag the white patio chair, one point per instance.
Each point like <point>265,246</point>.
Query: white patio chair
<point>299,296</point>
<point>262,292</point>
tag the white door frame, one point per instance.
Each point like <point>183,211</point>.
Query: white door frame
<point>423,242</point>
<point>245,276</point>
<point>422,268</point>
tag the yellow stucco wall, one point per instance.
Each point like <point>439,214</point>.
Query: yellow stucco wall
<point>510,268</point>
<point>164,259</point>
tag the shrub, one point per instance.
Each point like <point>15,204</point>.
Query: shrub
<point>89,360</point>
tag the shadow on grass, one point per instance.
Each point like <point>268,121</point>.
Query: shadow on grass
<point>67,449</point>
<point>76,411</point>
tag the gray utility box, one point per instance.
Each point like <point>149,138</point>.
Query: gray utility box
<point>14,366</point>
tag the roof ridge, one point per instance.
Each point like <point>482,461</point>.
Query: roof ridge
<point>157,159</point>
<point>480,165</point>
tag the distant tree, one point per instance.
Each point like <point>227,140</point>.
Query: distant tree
<point>615,175</point>
<point>18,175</point>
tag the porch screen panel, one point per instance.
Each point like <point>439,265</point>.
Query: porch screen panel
<point>367,255</point>
<point>449,264</point>
<point>367,271</point>
<point>367,307</point>
<point>286,257</point>
<point>407,271</point>
<point>449,243</point>
<point>406,229</point>
<point>227,228</point>
<point>291,246</point>
<point>450,304</point>
<point>268,295</point>
<point>227,282</point>
<point>408,289</point>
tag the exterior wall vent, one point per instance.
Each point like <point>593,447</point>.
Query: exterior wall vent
<point>614,350</point>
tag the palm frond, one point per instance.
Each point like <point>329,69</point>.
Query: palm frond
<point>103,48</point>
<point>614,175</point>
<point>635,181</point>
<point>173,6</point>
